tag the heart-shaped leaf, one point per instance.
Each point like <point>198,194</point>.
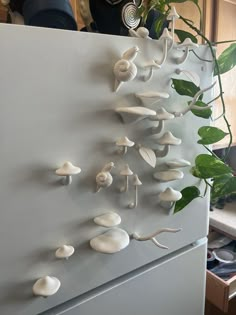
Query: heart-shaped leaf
<point>223,185</point>
<point>188,194</point>
<point>182,35</point>
<point>227,59</point>
<point>210,135</point>
<point>202,113</point>
<point>186,88</point>
<point>208,166</point>
<point>148,155</point>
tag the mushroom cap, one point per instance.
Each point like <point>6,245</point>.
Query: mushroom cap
<point>170,195</point>
<point>124,141</point>
<point>46,286</point>
<point>188,43</point>
<point>152,94</point>
<point>162,114</point>
<point>108,219</point>
<point>110,242</point>
<point>168,138</point>
<point>68,169</point>
<point>177,163</point>
<point>137,181</point>
<point>143,32</point>
<point>126,171</point>
<point>173,14</point>
<point>139,111</point>
<point>166,35</point>
<point>167,176</point>
<point>65,251</point>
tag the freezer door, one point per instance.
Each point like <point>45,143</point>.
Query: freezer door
<point>175,286</point>
<point>57,104</point>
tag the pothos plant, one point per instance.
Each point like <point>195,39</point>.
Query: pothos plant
<point>213,170</point>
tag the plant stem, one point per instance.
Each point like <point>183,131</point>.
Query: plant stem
<point>224,42</point>
<point>219,80</point>
<point>211,152</point>
<point>200,57</point>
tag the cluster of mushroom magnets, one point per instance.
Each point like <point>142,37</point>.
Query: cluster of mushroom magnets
<point>114,238</point>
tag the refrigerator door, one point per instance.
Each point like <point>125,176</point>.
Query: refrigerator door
<point>57,104</point>
<point>172,286</point>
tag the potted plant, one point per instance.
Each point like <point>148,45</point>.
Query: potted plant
<point>210,168</point>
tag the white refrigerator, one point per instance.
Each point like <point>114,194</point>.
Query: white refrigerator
<point>57,104</point>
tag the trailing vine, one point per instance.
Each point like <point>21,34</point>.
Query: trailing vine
<point>207,167</point>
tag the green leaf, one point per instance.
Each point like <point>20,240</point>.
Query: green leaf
<point>223,185</point>
<point>208,166</point>
<point>159,24</point>
<point>210,135</point>
<point>202,113</point>
<point>187,88</point>
<point>227,60</point>
<point>188,194</point>
<point>182,35</point>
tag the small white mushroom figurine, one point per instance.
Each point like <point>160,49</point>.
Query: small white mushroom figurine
<point>150,98</point>
<point>168,197</point>
<point>166,41</point>
<point>136,182</point>
<point>161,116</point>
<point>64,252</point>
<point>173,16</point>
<point>187,45</point>
<point>126,172</point>
<point>104,178</point>
<point>124,143</point>
<point>141,32</point>
<point>46,286</point>
<point>177,163</point>
<point>167,140</point>
<point>67,170</point>
<point>108,220</point>
<point>134,114</point>
<point>124,69</point>
<point>167,176</point>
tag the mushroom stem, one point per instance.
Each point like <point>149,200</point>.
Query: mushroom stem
<point>134,204</point>
<point>167,204</point>
<point>164,152</point>
<point>124,151</point>
<point>159,128</point>
<point>117,85</point>
<point>67,180</point>
<point>126,185</point>
<point>165,51</point>
<point>183,58</point>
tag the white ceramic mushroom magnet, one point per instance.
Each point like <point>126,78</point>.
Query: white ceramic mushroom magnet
<point>46,286</point>
<point>177,163</point>
<point>64,252</point>
<point>104,178</point>
<point>168,197</point>
<point>134,114</point>
<point>151,66</point>
<point>187,45</point>
<point>151,97</point>
<point>161,116</point>
<point>136,182</point>
<point>108,220</point>
<point>141,32</point>
<point>124,69</point>
<point>166,41</point>
<point>152,236</point>
<point>173,16</point>
<point>110,242</point>
<point>126,172</point>
<point>193,105</point>
<point>168,176</point>
<point>167,140</point>
<point>67,170</point>
<point>124,143</point>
